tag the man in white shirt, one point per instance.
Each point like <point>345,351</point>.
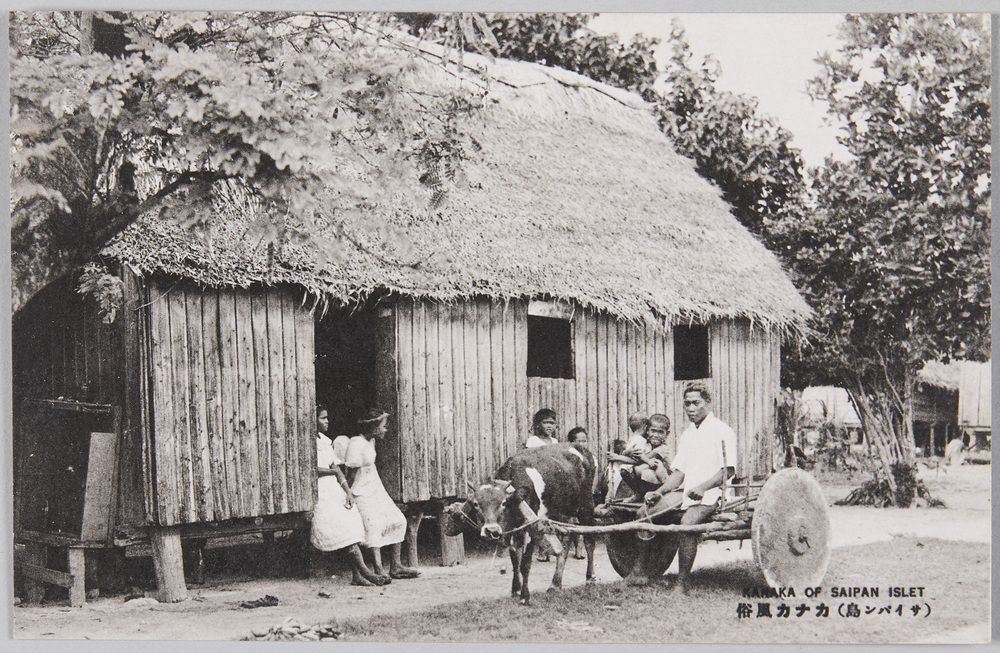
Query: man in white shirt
<point>706,451</point>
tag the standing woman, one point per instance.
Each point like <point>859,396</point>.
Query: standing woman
<point>385,524</point>
<point>336,522</point>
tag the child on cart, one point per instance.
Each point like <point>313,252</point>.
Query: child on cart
<point>650,467</point>
<point>621,461</point>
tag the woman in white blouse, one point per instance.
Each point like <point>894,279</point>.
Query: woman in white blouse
<point>336,522</point>
<point>385,524</point>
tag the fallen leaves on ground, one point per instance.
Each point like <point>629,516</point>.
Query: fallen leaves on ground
<point>292,631</point>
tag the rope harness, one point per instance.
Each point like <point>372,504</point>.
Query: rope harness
<point>570,527</point>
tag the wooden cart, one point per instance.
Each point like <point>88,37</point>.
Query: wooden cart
<point>785,518</point>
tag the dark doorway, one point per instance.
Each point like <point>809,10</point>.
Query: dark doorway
<point>345,365</point>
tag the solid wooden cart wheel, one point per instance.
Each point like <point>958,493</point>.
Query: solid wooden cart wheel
<point>623,549</point>
<point>790,530</point>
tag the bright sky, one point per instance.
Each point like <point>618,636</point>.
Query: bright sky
<point>769,56</point>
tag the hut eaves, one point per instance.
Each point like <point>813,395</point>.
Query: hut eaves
<point>575,195</point>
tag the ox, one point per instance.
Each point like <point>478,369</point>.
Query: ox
<point>555,482</point>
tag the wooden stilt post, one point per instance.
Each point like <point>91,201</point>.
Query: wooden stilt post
<point>270,553</point>
<point>78,570</point>
<point>194,560</point>
<point>452,547</point>
<point>34,590</point>
<point>412,528</point>
<point>169,564</point>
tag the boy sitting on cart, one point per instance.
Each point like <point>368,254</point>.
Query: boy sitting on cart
<point>694,485</point>
<point>625,454</point>
<point>648,469</point>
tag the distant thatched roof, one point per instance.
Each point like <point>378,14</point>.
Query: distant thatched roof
<point>942,375</point>
<point>576,194</point>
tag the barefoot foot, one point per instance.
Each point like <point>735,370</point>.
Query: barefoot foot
<point>404,572</point>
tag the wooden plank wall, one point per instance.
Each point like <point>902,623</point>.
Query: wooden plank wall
<point>461,395</point>
<point>975,401</point>
<point>386,380</point>
<point>232,423</point>
<point>62,349</point>
<point>465,402</point>
<point>622,368</point>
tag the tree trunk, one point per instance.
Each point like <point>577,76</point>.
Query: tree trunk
<point>878,431</point>
<point>52,246</point>
<point>887,421</point>
<point>786,418</point>
<point>86,32</point>
<point>908,437</point>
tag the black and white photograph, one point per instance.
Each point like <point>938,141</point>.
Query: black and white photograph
<point>462,327</point>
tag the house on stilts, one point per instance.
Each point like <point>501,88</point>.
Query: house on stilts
<point>952,401</point>
<point>582,266</point>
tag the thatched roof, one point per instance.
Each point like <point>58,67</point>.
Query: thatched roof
<point>576,194</point>
<point>942,375</point>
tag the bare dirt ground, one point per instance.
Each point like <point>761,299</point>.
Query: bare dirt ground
<point>213,611</point>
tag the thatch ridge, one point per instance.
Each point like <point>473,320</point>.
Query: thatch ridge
<point>576,195</point>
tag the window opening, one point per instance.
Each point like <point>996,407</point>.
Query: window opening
<point>691,352</point>
<point>550,347</point>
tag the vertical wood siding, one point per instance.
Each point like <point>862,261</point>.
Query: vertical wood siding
<point>62,349</point>
<point>464,400</point>
<point>622,368</point>
<point>386,380</point>
<point>460,393</point>
<point>232,390</point>
<point>975,401</point>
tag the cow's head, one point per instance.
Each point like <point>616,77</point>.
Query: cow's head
<point>487,504</point>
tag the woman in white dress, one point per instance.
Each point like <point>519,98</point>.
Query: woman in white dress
<point>385,524</point>
<point>336,522</point>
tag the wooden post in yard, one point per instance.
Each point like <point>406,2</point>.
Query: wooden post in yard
<point>77,569</point>
<point>412,528</point>
<point>452,548</point>
<point>169,564</point>
<point>35,555</point>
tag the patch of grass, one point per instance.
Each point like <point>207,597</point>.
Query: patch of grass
<point>955,576</point>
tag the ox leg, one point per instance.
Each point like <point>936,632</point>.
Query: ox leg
<point>560,563</point>
<point>516,550</point>
<point>526,558</point>
<point>588,542</point>
<point>586,518</point>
